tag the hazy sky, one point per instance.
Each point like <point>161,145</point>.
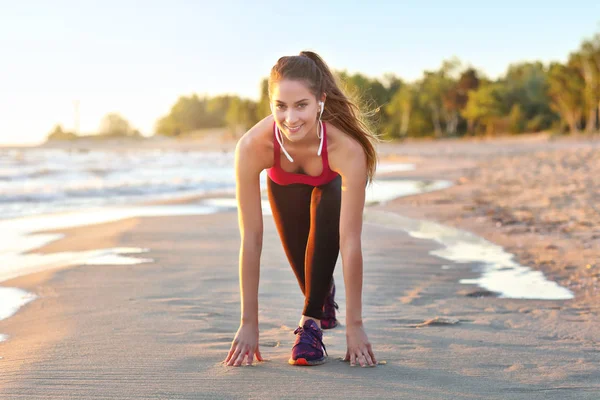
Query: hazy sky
<point>138,57</point>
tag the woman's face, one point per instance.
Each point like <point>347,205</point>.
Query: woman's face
<point>294,108</point>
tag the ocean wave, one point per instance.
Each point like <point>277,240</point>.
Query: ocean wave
<point>53,179</point>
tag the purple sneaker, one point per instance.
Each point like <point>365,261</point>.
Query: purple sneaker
<point>329,321</point>
<point>308,348</point>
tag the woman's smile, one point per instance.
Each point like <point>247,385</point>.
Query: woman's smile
<point>293,129</point>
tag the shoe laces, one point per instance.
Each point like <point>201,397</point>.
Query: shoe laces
<point>310,337</point>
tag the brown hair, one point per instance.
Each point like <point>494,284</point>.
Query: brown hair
<point>340,109</point>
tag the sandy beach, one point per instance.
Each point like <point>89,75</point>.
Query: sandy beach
<point>159,330</point>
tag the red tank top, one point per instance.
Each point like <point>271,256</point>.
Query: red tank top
<point>281,177</point>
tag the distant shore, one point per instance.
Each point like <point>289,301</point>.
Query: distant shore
<point>218,140</point>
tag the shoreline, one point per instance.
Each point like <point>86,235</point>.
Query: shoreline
<point>440,205</point>
<point>215,142</point>
<point>437,205</point>
<point>483,201</point>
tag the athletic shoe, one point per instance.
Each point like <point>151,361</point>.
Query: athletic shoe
<point>329,321</point>
<point>308,348</point>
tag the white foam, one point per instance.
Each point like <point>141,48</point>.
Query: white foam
<point>394,167</point>
<point>385,190</point>
<point>17,237</point>
<point>119,258</point>
<point>12,300</point>
<point>380,191</point>
<point>230,204</point>
<point>499,272</point>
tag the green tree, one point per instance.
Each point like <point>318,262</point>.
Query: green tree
<point>398,112</point>
<point>468,80</point>
<point>566,89</point>
<point>436,92</point>
<point>114,125</point>
<point>192,113</point>
<point>517,122</point>
<point>587,62</point>
<point>526,86</point>
<point>186,115</point>
<point>241,115</point>
<point>59,134</point>
<point>263,107</point>
<point>484,107</point>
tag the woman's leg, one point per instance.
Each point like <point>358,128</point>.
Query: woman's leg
<point>308,220</point>
<point>323,245</point>
<point>290,205</point>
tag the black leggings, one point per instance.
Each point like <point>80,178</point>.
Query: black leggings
<point>308,222</point>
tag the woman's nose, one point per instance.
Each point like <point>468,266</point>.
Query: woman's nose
<point>290,117</point>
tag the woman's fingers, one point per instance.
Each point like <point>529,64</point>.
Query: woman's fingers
<point>239,351</point>
<point>364,357</point>
<point>372,355</point>
<point>241,356</point>
<point>250,357</point>
<point>230,354</point>
<point>234,356</point>
<point>367,357</point>
<point>361,359</point>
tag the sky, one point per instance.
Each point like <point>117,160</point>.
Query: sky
<point>138,57</point>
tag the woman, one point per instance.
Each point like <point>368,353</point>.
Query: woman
<point>320,156</point>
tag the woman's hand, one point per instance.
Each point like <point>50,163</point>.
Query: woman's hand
<point>359,348</point>
<point>244,343</point>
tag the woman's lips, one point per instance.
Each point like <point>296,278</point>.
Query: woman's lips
<point>293,129</point>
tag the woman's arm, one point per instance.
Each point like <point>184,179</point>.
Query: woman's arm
<point>352,168</point>
<point>247,170</point>
<point>248,165</point>
<point>350,163</point>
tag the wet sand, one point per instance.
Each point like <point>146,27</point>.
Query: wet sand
<point>161,329</point>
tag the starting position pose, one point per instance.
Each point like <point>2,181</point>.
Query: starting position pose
<point>319,155</point>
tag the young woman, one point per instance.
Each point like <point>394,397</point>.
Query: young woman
<point>319,155</point>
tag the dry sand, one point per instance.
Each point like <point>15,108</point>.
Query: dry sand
<point>160,330</point>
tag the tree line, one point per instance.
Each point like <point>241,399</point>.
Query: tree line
<point>450,101</point>
<point>112,126</point>
<point>453,100</point>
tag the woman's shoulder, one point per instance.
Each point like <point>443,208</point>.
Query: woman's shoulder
<point>344,153</point>
<point>261,132</point>
<point>339,141</point>
<point>257,142</point>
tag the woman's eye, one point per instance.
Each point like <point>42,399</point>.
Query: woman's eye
<point>302,105</point>
<point>279,106</point>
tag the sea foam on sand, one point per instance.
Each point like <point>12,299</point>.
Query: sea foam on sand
<point>11,299</point>
<point>19,239</point>
<point>499,272</point>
